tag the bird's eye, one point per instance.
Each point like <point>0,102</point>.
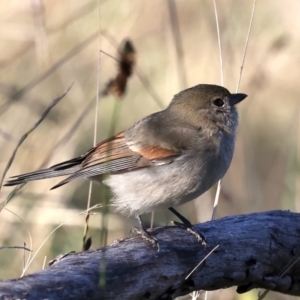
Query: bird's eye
<point>218,102</point>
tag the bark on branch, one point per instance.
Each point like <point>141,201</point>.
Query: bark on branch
<point>254,251</point>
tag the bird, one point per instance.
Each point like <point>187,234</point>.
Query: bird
<point>163,160</point>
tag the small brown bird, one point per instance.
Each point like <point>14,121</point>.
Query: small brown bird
<point>166,159</point>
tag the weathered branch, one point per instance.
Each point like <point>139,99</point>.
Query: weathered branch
<point>254,251</point>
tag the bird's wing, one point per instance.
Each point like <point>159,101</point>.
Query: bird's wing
<point>111,156</point>
<point>114,155</point>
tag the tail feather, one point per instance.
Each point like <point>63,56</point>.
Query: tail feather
<point>62,169</point>
<point>63,182</point>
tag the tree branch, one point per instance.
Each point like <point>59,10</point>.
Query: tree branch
<point>254,251</point>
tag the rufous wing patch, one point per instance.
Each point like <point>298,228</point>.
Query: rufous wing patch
<point>120,156</point>
<point>156,152</point>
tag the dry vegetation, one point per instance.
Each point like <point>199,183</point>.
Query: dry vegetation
<point>47,45</point>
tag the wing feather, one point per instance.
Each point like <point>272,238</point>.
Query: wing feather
<point>111,156</point>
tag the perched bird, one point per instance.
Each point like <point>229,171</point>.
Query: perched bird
<point>166,159</point>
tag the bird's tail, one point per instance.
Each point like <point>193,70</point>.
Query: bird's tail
<point>66,168</point>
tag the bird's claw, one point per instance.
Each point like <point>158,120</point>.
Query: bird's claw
<point>146,235</point>
<point>190,228</point>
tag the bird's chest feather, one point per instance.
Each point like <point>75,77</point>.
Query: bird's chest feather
<point>162,186</point>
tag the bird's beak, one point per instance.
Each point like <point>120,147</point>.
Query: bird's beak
<point>236,98</point>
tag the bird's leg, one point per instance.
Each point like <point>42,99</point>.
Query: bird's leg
<point>144,233</point>
<point>187,225</point>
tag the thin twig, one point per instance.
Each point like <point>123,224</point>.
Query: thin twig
<point>178,43</point>
<point>74,16</point>
<point>49,235</point>
<point>29,234</point>
<point>82,11</point>
<point>152,220</point>
<point>217,196</point>
<point>15,247</point>
<point>86,227</point>
<point>23,138</point>
<point>104,192</point>
<point>44,262</point>
<point>140,75</point>
<point>222,83</point>
<point>67,136</point>
<point>246,45</point>
<point>24,256</point>
<point>205,257</point>
<point>61,142</point>
<point>219,43</point>
<point>288,267</point>
<point>149,88</point>
<point>107,54</point>
<point>17,95</point>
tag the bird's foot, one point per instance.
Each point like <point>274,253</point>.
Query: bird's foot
<point>186,224</point>
<point>190,228</point>
<point>146,235</point>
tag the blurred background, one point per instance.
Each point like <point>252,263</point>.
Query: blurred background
<point>48,45</point>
